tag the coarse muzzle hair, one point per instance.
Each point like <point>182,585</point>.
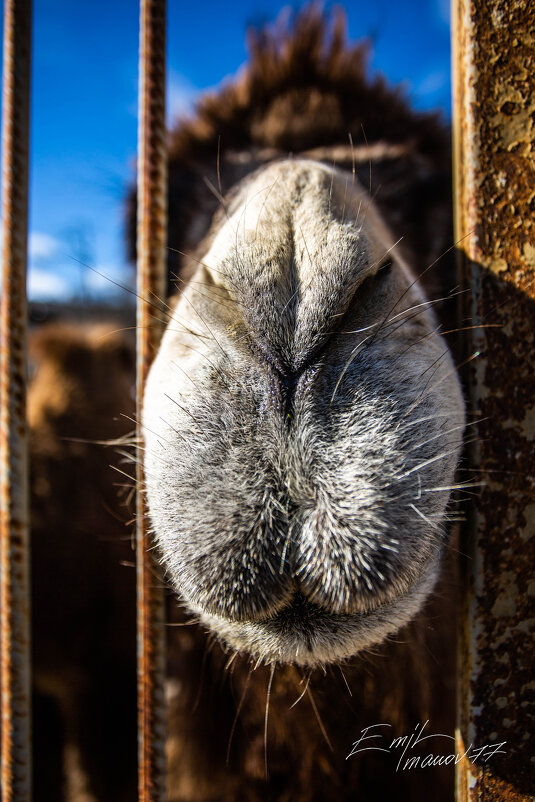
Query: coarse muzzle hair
<point>303,421</point>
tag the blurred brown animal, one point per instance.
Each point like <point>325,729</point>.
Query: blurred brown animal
<point>83,623</point>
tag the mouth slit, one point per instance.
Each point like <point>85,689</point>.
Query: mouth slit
<point>303,615</point>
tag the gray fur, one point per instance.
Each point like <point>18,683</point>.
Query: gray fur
<point>300,419</point>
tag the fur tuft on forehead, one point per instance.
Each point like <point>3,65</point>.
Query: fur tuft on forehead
<point>304,86</point>
<point>303,89</point>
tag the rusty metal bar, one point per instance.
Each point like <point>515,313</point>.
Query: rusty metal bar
<point>14,542</point>
<point>494,129</point>
<point>151,288</point>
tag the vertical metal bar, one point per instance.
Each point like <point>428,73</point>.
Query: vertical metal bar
<point>151,286</point>
<point>14,563</point>
<point>494,129</point>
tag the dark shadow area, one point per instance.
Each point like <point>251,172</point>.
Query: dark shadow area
<point>498,536</point>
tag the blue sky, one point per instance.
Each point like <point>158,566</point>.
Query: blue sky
<point>84,105</point>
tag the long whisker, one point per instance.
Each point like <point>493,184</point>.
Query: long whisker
<point>320,722</point>
<point>129,290</point>
<point>237,715</point>
<point>301,694</point>
<point>345,680</point>
<point>268,695</point>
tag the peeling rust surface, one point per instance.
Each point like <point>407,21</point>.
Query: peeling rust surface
<point>14,580</point>
<point>494,63</point>
<point>151,284</point>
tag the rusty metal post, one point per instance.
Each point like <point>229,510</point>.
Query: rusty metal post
<point>14,561</point>
<point>494,130</point>
<point>151,286</point>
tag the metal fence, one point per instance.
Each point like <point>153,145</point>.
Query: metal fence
<point>494,113</point>
<point>151,288</point>
<point>14,579</point>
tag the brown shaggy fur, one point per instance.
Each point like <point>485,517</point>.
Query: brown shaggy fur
<point>303,89</point>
